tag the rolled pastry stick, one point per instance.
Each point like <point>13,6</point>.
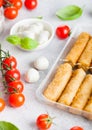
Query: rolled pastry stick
<point>72,87</point>
<point>88,107</point>
<point>83,93</point>
<point>77,48</point>
<point>86,57</point>
<point>58,83</point>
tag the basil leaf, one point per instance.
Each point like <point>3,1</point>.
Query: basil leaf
<point>28,43</point>
<point>70,12</point>
<point>14,39</point>
<point>7,126</point>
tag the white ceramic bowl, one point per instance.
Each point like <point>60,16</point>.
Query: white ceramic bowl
<point>46,25</point>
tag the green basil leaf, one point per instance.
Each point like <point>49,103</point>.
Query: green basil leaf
<point>14,39</point>
<point>7,126</point>
<point>28,43</point>
<point>70,12</point>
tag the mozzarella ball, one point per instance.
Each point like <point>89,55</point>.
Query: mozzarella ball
<point>41,63</point>
<point>43,37</point>
<point>32,75</point>
<point>27,34</point>
<point>22,28</point>
<point>36,27</point>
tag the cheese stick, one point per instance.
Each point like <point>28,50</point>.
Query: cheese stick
<point>83,94</point>
<point>77,48</point>
<point>58,83</point>
<point>88,107</point>
<point>72,87</point>
<point>86,57</point>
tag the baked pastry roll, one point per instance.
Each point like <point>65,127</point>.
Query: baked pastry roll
<point>88,107</point>
<point>86,57</point>
<point>83,93</point>
<point>58,83</point>
<point>72,87</point>
<point>77,48</point>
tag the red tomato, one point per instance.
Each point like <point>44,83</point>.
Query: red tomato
<point>44,121</point>
<point>1,3</point>
<point>16,3</point>
<point>30,4</point>
<point>62,32</point>
<point>15,86</point>
<point>76,128</point>
<point>12,75</point>
<point>16,99</point>
<point>9,63</point>
<point>2,104</point>
<point>11,12</point>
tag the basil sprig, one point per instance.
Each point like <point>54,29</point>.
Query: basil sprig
<point>70,12</point>
<point>25,43</point>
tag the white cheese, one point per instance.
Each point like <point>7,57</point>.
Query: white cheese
<point>32,75</point>
<point>41,63</point>
<point>43,37</point>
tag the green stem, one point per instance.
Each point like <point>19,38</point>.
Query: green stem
<point>1,69</point>
<point>8,3</point>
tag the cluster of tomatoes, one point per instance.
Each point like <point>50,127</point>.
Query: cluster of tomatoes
<point>11,7</point>
<point>11,81</point>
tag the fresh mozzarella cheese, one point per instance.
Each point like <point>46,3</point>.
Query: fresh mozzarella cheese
<point>41,63</point>
<point>36,31</point>
<point>43,37</point>
<point>36,27</point>
<point>32,75</point>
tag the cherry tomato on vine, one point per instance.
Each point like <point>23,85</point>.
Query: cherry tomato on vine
<point>30,4</point>
<point>15,86</point>
<point>62,32</point>
<point>12,75</point>
<point>1,3</point>
<point>9,63</point>
<point>11,12</point>
<point>16,99</point>
<point>2,104</point>
<point>44,121</point>
<point>76,128</point>
<point>16,3</point>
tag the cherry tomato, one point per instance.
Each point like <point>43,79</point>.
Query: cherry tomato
<point>11,12</point>
<point>30,4</point>
<point>2,104</point>
<point>16,3</point>
<point>15,86</point>
<point>12,75</point>
<point>62,32</point>
<point>76,128</point>
<point>44,121</point>
<point>16,99</point>
<point>1,3</point>
<point>9,63</point>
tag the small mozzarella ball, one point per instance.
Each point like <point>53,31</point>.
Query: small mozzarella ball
<point>22,28</point>
<point>43,37</point>
<point>40,26</point>
<point>32,75</point>
<point>41,63</point>
<point>36,27</point>
<point>27,34</point>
